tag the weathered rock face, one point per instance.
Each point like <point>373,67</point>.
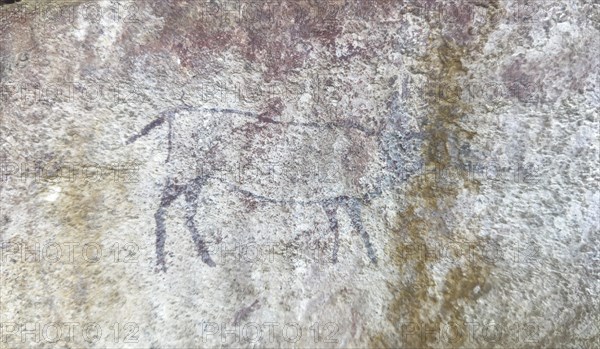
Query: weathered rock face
<point>300,174</point>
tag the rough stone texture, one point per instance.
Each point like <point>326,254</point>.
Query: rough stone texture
<point>380,173</point>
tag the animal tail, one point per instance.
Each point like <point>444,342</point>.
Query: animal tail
<point>154,124</point>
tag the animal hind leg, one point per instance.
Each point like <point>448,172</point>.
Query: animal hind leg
<point>354,211</point>
<point>191,198</point>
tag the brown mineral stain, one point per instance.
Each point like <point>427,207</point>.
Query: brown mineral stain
<point>425,305</point>
<point>86,212</point>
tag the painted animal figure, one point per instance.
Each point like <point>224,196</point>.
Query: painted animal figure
<point>201,135</point>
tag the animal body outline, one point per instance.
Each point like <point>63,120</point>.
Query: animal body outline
<point>190,190</point>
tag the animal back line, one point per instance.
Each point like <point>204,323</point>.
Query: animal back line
<point>260,117</point>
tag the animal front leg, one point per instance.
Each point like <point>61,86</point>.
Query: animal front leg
<point>331,211</point>
<point>161,233</point>
<point>169,194</point>
<point>191,199</point>
<point>354,211</point>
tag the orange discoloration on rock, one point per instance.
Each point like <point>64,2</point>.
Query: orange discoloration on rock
<point>422,222</point>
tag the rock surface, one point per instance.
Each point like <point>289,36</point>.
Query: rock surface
<point>351,174</point>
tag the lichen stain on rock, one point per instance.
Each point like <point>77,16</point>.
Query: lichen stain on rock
<point>422,222</point>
